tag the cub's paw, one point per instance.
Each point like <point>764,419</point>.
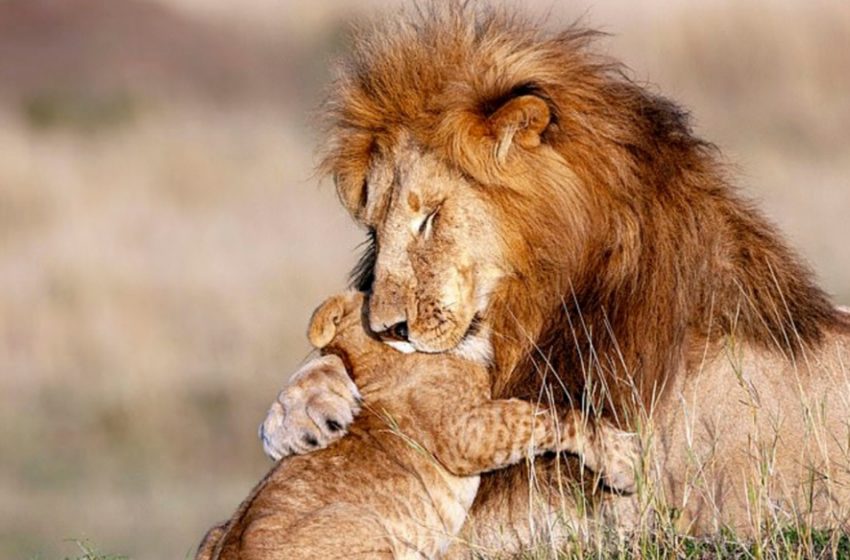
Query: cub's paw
<point>615,456</point>
<point>314,410</point>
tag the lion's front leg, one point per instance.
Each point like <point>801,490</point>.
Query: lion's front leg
<point>313,410</point>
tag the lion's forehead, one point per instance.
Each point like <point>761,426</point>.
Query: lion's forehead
<point>407,179</point>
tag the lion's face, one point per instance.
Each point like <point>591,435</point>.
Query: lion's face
<point>437,256</point>
<point>456,166</point>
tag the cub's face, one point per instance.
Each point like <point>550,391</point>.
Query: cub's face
<point>436,255</point>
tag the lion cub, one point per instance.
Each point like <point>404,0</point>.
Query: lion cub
<point>400,484</point>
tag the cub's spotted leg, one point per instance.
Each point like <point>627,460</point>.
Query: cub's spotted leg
<point>502,432</point>
<point>313,410</point>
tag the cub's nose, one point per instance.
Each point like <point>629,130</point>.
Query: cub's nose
<point>397,332</point>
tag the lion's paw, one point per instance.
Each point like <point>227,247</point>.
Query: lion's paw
<point>314,410</point>
<point>615,457</point>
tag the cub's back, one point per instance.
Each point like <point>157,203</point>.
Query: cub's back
<point>378,482</point>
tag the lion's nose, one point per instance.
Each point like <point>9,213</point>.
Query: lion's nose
<point>396,332</point>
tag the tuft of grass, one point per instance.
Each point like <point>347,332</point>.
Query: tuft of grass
<point>88,552</point>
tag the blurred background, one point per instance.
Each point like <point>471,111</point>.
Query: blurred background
<point>163,239</point>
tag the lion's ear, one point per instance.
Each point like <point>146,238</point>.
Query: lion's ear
<point>520,120</point>
<point>325,320</point>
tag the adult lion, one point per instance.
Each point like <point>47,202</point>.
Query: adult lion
<point>520,188</point>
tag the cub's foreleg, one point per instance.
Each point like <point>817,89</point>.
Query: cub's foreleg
<point>500,433</point>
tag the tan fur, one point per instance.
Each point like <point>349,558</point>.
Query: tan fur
<point>751,439</point>
<point>519,185</point>
<point>400,484</point>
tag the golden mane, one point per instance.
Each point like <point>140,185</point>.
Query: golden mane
<point>636,247</point>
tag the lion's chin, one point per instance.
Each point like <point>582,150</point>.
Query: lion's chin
<point>402,346</point>
<point>426,344</point>
<point>472,344</point>
<point>432,346</point>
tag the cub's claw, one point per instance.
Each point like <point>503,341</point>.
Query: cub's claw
<point>314,410</point>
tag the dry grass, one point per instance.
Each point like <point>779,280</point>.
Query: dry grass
<point>159,259</point>
<point>157,286</point>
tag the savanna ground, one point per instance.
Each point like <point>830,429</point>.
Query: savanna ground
<point>162,241</point>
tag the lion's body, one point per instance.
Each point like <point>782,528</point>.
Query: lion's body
<point>519,185</point>
<point>399,485</point>
<point>750,439</point>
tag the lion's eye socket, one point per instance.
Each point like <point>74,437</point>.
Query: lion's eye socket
<point>427,225</point>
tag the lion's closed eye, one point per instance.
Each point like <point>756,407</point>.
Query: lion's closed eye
<point>427,225</point>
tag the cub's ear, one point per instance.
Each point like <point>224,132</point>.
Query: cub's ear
<point>328,317</point>
<point>520,120</point>
<point>325,320</point>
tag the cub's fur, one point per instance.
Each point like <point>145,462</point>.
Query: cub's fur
<point>399,485</point>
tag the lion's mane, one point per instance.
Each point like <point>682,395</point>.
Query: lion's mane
<point>635,248</point>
